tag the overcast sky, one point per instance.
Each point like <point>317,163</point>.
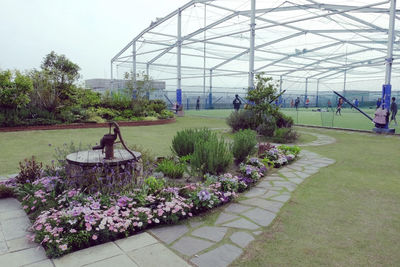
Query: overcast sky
<point>88,32</point>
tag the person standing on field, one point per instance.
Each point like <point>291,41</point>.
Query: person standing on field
<point>393,109</point>
<point>236,103</point>
<point>198,103</point>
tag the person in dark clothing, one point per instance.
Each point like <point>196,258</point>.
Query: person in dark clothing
<point>378,103</point>
<point>339,106</point>
<point>236,103</point>
<point>393,109</point>
<point>198,103</point>
<point>296,103</point>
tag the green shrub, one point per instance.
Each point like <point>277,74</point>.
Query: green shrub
<point>171,169</point>
<point>184,141</point>
<point>285,135</point>
<point>283,121</point>
<point>211,156</point>
<point>156,105</point>
<point>30,170</point>
<point>244,142</point>
<point>6,191</point>
<point>242,119</point>
<point>295,150</point>
<point>106,113</point>
<point>165,114</point>
<point>153,184</point>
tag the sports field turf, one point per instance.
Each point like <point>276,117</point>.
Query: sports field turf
<point>350,118</point>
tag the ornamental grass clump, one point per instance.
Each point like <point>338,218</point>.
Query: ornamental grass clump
<point>171,169</point>
<point>244,143</point>
<point>211,156</point>
<point>184,141</point>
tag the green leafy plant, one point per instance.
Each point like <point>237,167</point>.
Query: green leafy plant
<point>295,150</point>
<point>153,184</point>
<point>6,191</point>
<point>244,142</point>
<point>211,156</point>
<point>243,119</point>
<point>285,135</point>
<point>171,169</point>
<point>184,141</point>
<point>30,170</point>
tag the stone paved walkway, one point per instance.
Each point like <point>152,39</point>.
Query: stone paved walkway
<point>218,243</point>
<point>200,241</point>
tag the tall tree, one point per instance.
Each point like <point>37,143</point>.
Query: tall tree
<point>63,74</point>
<point>14,89</point>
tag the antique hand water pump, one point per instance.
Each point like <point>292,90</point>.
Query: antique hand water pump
<point>108,141</point>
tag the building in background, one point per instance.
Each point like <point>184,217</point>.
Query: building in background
<point>102,85</point>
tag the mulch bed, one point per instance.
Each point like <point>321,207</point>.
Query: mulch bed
<point>83,125</point>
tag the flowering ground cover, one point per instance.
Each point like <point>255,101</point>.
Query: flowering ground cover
<point>67,218</point>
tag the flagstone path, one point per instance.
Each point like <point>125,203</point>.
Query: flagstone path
<point>199,241</point>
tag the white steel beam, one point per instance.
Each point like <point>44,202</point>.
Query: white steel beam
<point>154,25</point>
<point>252,42</point>
<point>210,26</point>
<point>256,48</point>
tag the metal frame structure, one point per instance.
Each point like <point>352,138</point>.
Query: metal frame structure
<point>298,39</point>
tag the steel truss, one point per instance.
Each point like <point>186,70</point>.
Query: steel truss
<point>300,38</point>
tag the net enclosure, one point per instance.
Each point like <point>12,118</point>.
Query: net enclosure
<point>210,46</point>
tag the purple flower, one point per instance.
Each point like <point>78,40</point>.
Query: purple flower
<point>204,195</point>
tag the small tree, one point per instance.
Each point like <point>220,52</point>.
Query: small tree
<point>14,89</point>
<point>264,92</point>
<point>141,86</point>
<point>63,73</point>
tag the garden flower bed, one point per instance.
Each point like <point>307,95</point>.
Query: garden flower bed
<point>66,219</point>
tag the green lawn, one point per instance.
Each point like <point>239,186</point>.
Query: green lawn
<point>350,118</point>
<point>15,146</point>
<point>345,215</point>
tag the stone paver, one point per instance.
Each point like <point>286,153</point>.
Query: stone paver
<point>136,241</point>
<point>260,217</point>
<point>120,260</point>
<point>210,232</point>
<point>169,234</point>
<point>189,246</point>
<point>281,198</point>
<point>219,257</point>
<point>241,239</point>
<point>242,224</point>
<point>155,256</point>
<point>273,206</point>
<point>225,217</point>
<point>236,208</point>
<point>88,255</point>
<point>23,257</point>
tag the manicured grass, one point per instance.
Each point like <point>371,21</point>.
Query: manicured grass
<point>345,215</point>
<point>15,146</point>
<point>350,118</point>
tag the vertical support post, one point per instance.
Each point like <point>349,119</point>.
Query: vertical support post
<point>134,66</point>
<point>112,75</point>
<point>345,76</point>
<point>280,90</point>
<point>316,99</point>
<point>305,93</point>
<point>204,50</point>
<point>210,94</point>
<point>252,44</point>
<point>179,57</point>
<point>387,88</point>
<point>147,78</point>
